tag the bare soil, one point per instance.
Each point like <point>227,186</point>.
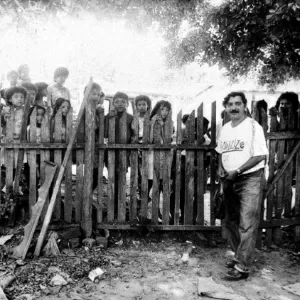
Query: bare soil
<point>149,267</point>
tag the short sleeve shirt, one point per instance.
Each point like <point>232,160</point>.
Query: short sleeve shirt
<point>238,144</point>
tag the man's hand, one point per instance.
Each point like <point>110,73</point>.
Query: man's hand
<point>232,175</point>
<point>221,172</point>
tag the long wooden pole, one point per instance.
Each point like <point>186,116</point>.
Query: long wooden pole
<point>61,171</point>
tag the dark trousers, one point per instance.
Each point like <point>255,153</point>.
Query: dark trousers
<point>243,199</point>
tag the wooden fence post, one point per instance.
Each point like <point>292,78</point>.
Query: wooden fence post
<point>213,164</point>
<point>86,223</point>
<point>178,170</point>
<point>68,202</point>
<point>32,162</point>
<point>100,168</point>
<point>200,168</point>
<point>270,198</point>
<point>145,167</point>
<point>189,171</point>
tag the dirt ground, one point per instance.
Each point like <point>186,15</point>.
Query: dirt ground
<point>149,267</point>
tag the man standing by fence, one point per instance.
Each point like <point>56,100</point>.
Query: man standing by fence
<point>242,148</point>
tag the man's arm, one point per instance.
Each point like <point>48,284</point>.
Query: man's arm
<point>221,171</point>
<point>250,163</point>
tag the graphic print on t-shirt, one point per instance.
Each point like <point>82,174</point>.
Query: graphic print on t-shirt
<point>232,145</point>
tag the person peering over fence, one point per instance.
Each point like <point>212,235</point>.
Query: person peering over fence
<point>57,90</point>
<point>31,92</point>
<point>41,93</point>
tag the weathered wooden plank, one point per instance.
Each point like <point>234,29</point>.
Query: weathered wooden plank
<point>9,159</point>
<point>213,164</point>
<point>145,167</point>
<point>45,155</point>
<point>189,172</point>
<point>100,168</point>
<point>178,170</point>
<point>270,197</point>
<point>111,172</point>
<point>1,157</point>
<point>289,172</point>
<point>281,182</point>
<point>89,154</point>
<point>134,173</point>
<point>79,174</point>
<point>58,132</point>
<point>122,170</point>
<point>156,174</point>
<point>32,163</point>
<point>18,145</point>
<point>166,169</point>
<point>297,197</point>
<point>200,168</point>
<point>68,201</point>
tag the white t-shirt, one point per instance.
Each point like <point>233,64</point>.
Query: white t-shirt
<point>235,145</point>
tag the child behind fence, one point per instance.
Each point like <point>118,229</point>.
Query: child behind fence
<point>65,106</point>
<point>57,90</point>
<point>159,115</point>
<point>143,105</point>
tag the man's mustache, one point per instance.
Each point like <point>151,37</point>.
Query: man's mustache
<point>234,111</point>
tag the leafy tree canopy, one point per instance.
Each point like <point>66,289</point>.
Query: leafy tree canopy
<point>241,36</point>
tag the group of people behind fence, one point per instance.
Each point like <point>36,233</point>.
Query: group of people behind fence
<point>56,97</point>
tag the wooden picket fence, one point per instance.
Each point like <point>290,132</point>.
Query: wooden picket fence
<point>178,202</point>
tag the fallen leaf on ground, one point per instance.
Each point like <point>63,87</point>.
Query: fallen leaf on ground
<point>96,274</point>
<point>5,238</point>
<point>58,280</point>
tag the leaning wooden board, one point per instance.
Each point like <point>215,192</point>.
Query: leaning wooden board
<point>61,173</point>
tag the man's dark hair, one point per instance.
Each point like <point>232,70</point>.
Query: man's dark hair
<point>10,73</point>
<point>143,98</point>
<point>61,71</point>
<point>120,95</point>
<point>11,91</point>
<point>29,86</point>
<point>235,94</point>
<point>290,97</point>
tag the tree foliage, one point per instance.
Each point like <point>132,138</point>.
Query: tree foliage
<point>241,36</point>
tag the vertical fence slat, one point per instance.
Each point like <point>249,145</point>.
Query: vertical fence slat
<point>145,167</point>
<point>122,170</point>
<point>270,198</point>
<point>297,188</point>
<point>68,201</point>
<point>200,168</point>
<point>156,174</point>
<point>289,172</point>
<point>213,164</point>
<point>166,169</point>
<point>100,168</point>
<point>134,172</point>
<point>178,170</point>
<point>1,156</point>
<point>45,155</point>
<point>189,171</point>
<point>58,158</point>
<point>9,159</point>
<point>79,173</point>
<point>86,223</point>
<point>280,190</point>
<point>111,171</point>
<point>32,162</point>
